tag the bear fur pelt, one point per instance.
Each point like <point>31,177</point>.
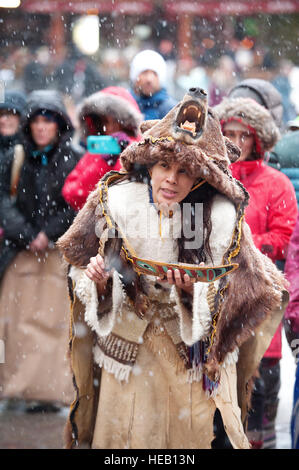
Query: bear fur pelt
<point>245,298</point>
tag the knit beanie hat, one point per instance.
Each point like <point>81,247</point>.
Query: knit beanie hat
<point>148,60</point>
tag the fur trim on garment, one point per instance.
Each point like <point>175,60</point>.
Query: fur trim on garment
<point>252,114</point>
<point>240,310</point>
<point>246,297</point>
<point>88,295</point>
<point>113,101</point>
<point>205,153</point>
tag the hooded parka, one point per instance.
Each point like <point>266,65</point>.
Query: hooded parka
<point>118,103</point>
<point>33,296</point>
<point>16,102</point>
<point>272,210</point>
<point>38,204</point>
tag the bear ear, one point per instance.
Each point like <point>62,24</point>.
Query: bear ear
<point>146,125</point>
<point>233,151</point>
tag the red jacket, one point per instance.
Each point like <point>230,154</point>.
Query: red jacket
<point>271,215</point>
<point>84,177</point>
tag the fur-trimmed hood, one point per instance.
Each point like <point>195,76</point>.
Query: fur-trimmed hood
<point>190,134</point>
<point>114,101</point>
<point>252,114</point>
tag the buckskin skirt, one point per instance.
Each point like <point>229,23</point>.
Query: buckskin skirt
<point>159,409</point>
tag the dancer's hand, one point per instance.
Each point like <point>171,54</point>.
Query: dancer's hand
<point>184,282</point>
<point>96,271</point>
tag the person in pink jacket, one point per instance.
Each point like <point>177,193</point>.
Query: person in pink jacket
<point>111,111</point>
<point>291,324</point>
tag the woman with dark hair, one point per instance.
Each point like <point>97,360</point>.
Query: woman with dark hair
<point>165,278</point>
<point>11,109</point>
<point>33,298</point>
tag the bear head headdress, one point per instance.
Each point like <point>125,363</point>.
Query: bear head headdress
<point>190,134</point>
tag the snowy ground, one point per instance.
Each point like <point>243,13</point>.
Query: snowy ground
<point>287,368</point>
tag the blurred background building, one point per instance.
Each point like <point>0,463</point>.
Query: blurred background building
<point>43,41</point>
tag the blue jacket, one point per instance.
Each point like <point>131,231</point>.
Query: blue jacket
<point>156,106</point>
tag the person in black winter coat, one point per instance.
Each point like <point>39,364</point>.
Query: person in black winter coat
<point>11,109</point>
<point>77,76</point>
<point>33,215</point>
<point>38,206</point>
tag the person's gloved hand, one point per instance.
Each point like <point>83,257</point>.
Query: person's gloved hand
<point>123,142</point>
<point>122,139</point>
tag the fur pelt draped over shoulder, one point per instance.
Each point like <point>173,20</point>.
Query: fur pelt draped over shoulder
<point>246,297</point>
<point>81,241</point>
<point>250,296</point>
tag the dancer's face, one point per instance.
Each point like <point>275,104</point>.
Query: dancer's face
<point>170,182</point>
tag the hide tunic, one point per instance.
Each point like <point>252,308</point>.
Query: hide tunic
<point>237,315</point>
<point>157,403</point>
